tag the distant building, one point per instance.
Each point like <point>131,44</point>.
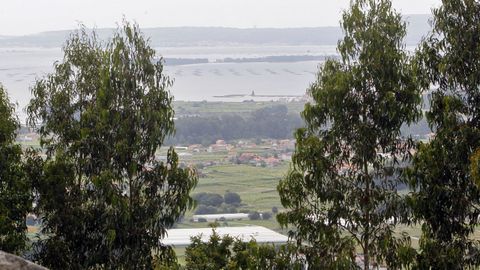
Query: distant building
<point>217,217</point>
<point>195,147</point>
<point>182,237</point>
<point>272,162</point>
<point>286,157</point>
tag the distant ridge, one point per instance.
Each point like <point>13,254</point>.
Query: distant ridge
<point>215,36</point>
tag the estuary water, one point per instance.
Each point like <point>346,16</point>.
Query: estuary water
<point>212,81</point>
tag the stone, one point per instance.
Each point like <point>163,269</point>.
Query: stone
<point>12,262</point>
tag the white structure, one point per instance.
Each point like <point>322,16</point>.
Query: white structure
<point>218,217</point>
<point>181,237</point>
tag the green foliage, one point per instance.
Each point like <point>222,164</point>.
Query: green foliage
<point>254,215</point>
<point>15,186</point>
<point>104,200</point>
<point>475,167</point>
<point>232,198</point>
<point>205,210</point>
<point>266,215</point>
<point>213,255</point>
<point>209,199</point>
<point>341,190</point>
<point>269,122</point>
<point>229,253</point>
<point>443,175</point>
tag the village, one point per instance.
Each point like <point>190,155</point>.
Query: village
<point>258,153</point>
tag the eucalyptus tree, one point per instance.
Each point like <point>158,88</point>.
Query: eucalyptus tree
<point>104,199</point>
<point>15,187</point>
<point>445,197</point>
<point>341,190</point>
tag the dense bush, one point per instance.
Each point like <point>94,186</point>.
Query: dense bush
<point>254,215</point>
<point>211,199</point>
<point>232,198</point>
<point>225,252</point>
<point>227,208</point>
<point>206,210</point>
<point>266,215</point>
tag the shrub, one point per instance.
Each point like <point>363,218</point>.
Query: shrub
<point>205,210</point>
<point>266,215</point>
<point>211,199</point>
<point>232,198</point>
<point>254,215</point>
<point>228,209</point>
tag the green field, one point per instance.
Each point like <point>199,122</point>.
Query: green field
<point>255,185</point>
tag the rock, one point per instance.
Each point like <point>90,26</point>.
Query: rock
<point>12,262</point>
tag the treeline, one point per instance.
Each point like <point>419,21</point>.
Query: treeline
<point>274,122</point>
<point>213,203</point>
<point>271,122</point>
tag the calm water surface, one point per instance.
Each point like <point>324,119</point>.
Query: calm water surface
<point>20,67</point>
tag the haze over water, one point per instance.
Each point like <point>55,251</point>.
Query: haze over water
<point>195,82</point>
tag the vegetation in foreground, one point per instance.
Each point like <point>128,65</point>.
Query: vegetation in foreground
<point>349,159</point>
<point>105,200</point>
<point>15,185</point>
<point>229,253</point>
<point>344,177</point>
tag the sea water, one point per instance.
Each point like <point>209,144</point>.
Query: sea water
<point>20,67</point>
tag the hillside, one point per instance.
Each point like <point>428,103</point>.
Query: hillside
<point>214,36</point>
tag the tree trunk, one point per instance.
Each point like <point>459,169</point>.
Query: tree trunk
<point>366,254</point>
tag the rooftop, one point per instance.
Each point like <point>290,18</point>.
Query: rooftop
<point>181,237</point>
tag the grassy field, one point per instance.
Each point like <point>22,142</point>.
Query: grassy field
<point>255,185</point>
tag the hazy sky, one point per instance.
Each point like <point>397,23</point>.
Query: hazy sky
<point>19,17</point>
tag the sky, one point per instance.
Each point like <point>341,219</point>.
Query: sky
<point>22,17</point>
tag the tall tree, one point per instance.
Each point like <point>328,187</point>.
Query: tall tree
<point>341,190</point>
<point>104,199</point>
<point>15,188</point>
<point>445,198</point>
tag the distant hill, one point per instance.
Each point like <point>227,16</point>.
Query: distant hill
<point>201,36</point>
